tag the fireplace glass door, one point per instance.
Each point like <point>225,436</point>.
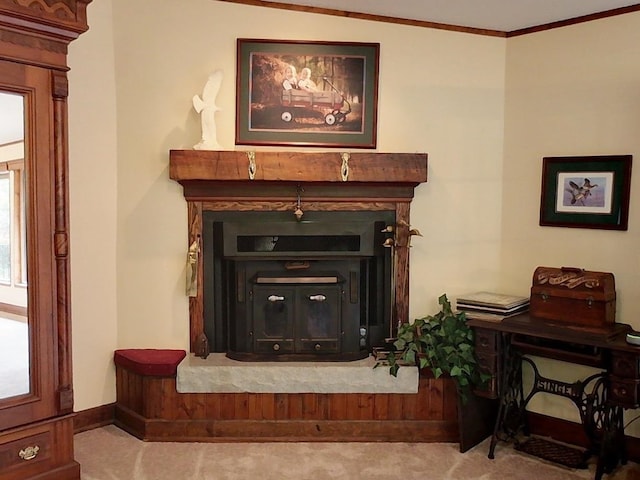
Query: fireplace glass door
<point>283,290</point>
<point>296,318</point>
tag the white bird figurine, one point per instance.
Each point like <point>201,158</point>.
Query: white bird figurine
<point>207,108</point>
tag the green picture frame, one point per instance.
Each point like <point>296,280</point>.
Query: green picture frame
<point>586,192</point>
<point>337,109</point>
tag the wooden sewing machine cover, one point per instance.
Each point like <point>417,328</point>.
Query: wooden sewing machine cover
<point>573,295</point>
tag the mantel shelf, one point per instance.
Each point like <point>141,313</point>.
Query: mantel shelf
<point>401,169</point>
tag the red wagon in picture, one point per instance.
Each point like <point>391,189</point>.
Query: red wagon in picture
<point>301,103</point>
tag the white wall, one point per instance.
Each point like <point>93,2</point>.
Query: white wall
<point>135,71</point>
<point>440,92</point>
<point>571,91</point>
<point>93,202</point>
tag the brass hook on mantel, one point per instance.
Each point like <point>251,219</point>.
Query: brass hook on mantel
<point>252,165</point>
<point>344,171</point>
<point>193,257</point>
<point>298,211</point>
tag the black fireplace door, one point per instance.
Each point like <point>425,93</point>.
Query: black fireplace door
<point>297,318</point>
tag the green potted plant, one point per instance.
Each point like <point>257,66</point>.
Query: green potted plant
<point>442,343</point>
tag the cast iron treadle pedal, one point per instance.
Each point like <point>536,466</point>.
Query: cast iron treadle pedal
<point>547,449</point>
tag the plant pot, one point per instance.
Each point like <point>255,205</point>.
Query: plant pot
<point>476,420</point>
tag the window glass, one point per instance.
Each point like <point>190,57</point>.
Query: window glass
<point>5,228</point>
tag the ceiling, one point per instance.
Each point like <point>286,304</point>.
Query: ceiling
<point>502,15</point>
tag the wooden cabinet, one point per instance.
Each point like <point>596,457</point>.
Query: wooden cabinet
<point>487,353</point>
<point>502,348</point>
<point>39,450</point>
<point>624,379</point>
<point>36,416</point>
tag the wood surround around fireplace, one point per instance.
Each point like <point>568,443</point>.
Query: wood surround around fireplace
<point>218,183</point>
<point>265,181</point>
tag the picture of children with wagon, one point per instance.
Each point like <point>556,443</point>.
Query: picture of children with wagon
<point>307,93</point>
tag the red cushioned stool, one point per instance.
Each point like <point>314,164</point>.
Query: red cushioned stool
<point>150,362</point>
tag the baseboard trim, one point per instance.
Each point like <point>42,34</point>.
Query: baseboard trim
<point>203,430</point>
<point>70,471</point>
<point>94,418</point>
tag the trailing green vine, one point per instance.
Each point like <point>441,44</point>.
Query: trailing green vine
<point>443,343</point>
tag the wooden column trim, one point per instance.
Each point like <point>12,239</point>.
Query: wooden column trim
<point>196,304</point>
<point>401,265</point>
<point>60,89</point>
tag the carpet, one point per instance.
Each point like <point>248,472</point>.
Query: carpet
<point>14,358</point>
<point>109,453</point>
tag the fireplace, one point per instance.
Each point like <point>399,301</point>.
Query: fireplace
<point>304,256</point>
<point>281,288</point>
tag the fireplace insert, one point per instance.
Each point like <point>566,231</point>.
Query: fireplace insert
<point>281,289</point>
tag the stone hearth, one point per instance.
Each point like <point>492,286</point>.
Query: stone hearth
<point>219,374</point>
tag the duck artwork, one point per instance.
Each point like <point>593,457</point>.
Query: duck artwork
<point>580,193</point>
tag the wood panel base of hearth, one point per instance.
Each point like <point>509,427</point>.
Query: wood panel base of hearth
<point>150,408</point>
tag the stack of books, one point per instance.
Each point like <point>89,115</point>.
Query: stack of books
<point>491,306</point>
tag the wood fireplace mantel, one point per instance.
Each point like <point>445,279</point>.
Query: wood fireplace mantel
<point>325,181</point>
<point>400,168</point>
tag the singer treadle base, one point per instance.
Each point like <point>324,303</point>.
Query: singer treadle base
<point>556,452</point>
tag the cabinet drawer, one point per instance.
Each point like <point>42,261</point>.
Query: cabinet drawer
<point>489,389</point>
<point>29,450</point>
<point>318,346</point>
<point>625,365</point>
<point>486,340</point>
<point>487,361</point>
<point>624,392</point>
<point>274,346</point>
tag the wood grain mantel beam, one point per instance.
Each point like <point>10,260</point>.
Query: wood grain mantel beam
<point>208,165</point>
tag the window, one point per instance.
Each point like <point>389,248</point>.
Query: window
<point>12,226</point>
<point>5,227</point>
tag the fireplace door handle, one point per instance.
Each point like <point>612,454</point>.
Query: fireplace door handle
<point>317,298</point>
<point>275,298</point>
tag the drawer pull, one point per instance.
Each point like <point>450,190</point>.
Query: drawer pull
<point>29,453</point>
<point>621,391</point>
<point>317,298</point>
<point>275,298</point>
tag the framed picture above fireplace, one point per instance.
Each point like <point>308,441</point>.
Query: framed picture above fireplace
<point>301,93</point>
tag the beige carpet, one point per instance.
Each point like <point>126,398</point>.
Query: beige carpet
<point>14,357</point>
<point>109,453</point>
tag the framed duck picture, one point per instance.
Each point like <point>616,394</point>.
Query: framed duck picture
<point>586,192</point>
